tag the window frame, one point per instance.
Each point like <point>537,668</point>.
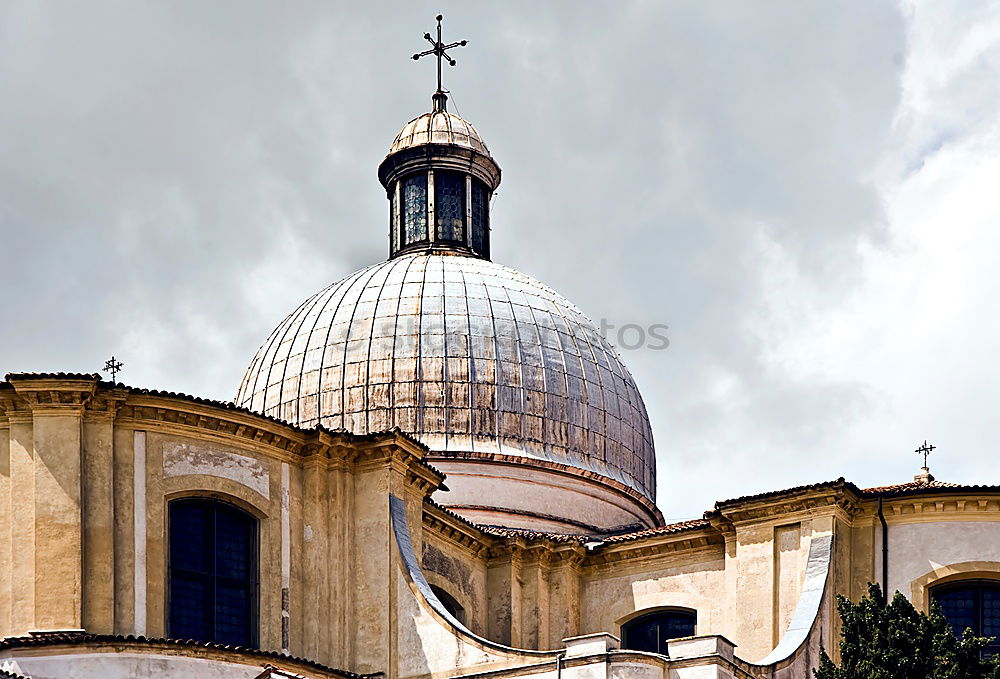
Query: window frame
<point>977,584</point>
<point>625,631</point>
<point>403,213</point>
<point>450,602</point>
<point>255,562</point>
<point>484,247</point>
<point>460,182</point>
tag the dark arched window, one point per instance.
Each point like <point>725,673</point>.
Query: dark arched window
<point>212,572</point>
<point>449,205</point>
<point>480,218</point>
<point>414,209</point>
<point>651,631</point>
<point>975,605</point>
<point>449,602</point>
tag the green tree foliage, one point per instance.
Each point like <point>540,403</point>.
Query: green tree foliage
<point>892,640</point>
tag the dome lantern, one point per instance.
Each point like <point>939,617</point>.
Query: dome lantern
<point>439,178</point>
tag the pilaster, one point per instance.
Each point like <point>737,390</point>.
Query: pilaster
<point>48,547</point>
<point>99,510</point>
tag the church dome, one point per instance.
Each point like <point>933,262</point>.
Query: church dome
<point>523,404</point>
<point>439,127</point>
<point>468,356</point>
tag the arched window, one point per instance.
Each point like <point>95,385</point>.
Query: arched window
<point>452,606</point>
<point>414,209</point>
<point>480,218</point>
<point>449,205</point>
<point>975,605</point>
<point>651,631</point>
<point>212,572</point>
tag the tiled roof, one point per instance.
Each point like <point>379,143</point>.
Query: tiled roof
<point>838,483</point>
<point>893,490</point>
<point>932,487</point>
<point>81,639</point>
<point>504,532</point>
<point>669,529</point>
<point>53,376</point>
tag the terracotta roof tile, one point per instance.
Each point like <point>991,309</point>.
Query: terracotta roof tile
<point>933,487</point>
<point>53,376</point>
<point>504,532</point>
<point>669,529</point>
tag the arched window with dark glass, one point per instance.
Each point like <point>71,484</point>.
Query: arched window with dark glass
<point>449,205</point>
<point>975,605</point>
<point>650,632</point>
<point>212,594</point>
<point>450,603</point>
<point>480,218</point>
<point>415,209</point>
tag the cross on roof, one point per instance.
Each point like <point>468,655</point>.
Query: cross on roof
<point>113,366</point>
<point>925,449</point>
<point>438,50</point>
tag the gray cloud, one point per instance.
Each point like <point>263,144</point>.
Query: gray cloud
<point>175,177</point>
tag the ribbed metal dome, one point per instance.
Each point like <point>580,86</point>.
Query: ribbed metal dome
<point>466,355</point>
<point>438,127</point>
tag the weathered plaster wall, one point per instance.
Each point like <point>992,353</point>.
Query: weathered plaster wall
<point>614,594</point>
<point>918,548</point>
<point>458,571</point>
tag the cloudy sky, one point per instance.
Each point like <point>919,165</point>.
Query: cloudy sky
<point>806,193</point>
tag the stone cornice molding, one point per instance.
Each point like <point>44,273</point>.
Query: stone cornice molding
<point>330,449</point>
<point>444,525</point>
<point>957,507</point>
<point>54,395</point>
<point>13,408</point>
<point>655,547</point>
<point>544,554</point>
<point>105,403</point>
<point>836,499</point>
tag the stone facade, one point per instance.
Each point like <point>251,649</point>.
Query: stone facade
<point>351,539</point>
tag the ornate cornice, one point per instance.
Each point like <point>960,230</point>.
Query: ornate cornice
<point>837,498</point>
<point>332,449</point>
<point>160,410</point>
<point>655,547</point>
<point>105,403</point>
<point>54,395</point>
<point>960,506</point>
<point>446,525</point>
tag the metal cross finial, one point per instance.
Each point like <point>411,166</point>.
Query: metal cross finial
<point>438,50</point>
<point>925,449</point>
<point>113,366</point>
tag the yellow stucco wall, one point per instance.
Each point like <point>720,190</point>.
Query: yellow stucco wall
<point>87,472</point>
